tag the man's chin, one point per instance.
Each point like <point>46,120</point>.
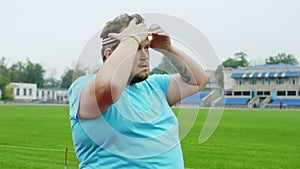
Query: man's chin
<point>139,77</point>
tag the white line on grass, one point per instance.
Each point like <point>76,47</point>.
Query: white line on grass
<point>33,148</point>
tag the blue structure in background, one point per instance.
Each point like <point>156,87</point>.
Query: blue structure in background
<point>290,102</point>
<point>195,99</point>
<point>264,85</point>
<point>236,101</point>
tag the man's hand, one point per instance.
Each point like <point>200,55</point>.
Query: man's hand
<point>161,41</point>
<point>138,30</point>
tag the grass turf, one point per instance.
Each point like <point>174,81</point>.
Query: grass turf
<point>36,137</point>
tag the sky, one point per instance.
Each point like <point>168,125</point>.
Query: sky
<point>53,33</point>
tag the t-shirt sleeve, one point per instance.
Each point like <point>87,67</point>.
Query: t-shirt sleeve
<point>74,93</point>
<point>160,81</point>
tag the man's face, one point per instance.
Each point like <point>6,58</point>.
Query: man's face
<point>140,69</point>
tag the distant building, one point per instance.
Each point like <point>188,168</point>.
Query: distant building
<point>52,95</point>
<point>262,86</point>
<point>30,93</point>
<point>24,91</point>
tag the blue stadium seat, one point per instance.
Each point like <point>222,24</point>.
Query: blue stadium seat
<point>196,98</point>
<point>287,101</point>
<point>238,101</point>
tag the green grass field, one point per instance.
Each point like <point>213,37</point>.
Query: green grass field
<point>34,137</point>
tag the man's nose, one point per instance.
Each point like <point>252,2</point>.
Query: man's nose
<point>143,54</point>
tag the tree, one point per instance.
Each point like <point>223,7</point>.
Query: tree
<point>27,73</point>
<point>4,81</point>
<point>8,94</point>
<point>16,72</point>
<point>72,74</point>
<point>282,58</point>
<point>67,79</point>
<point>34,73</point>
<point>230,63</point>
<point>240,59</point>
<point>165,67</point>
<point>3,67</point>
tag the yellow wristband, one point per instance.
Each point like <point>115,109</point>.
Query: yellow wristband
<point>134,38</point>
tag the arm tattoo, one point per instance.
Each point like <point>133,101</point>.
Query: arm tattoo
<point>182,71</point>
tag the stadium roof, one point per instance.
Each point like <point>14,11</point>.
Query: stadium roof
<point>269,67</point>
<point>271,70</point>
<point>265,74</point>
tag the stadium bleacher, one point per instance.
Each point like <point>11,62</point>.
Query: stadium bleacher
<point>196,98</point>
<point>287,101</point>
<point>233,101</point>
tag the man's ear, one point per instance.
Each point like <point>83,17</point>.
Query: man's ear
<point>107,52</point>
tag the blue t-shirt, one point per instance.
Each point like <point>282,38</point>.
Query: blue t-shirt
<point>140,130</point>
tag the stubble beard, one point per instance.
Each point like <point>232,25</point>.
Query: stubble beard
<point>139,77</point>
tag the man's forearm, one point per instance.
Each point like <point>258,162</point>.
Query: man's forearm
<point>114,74</point>
<point>190,71</point>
